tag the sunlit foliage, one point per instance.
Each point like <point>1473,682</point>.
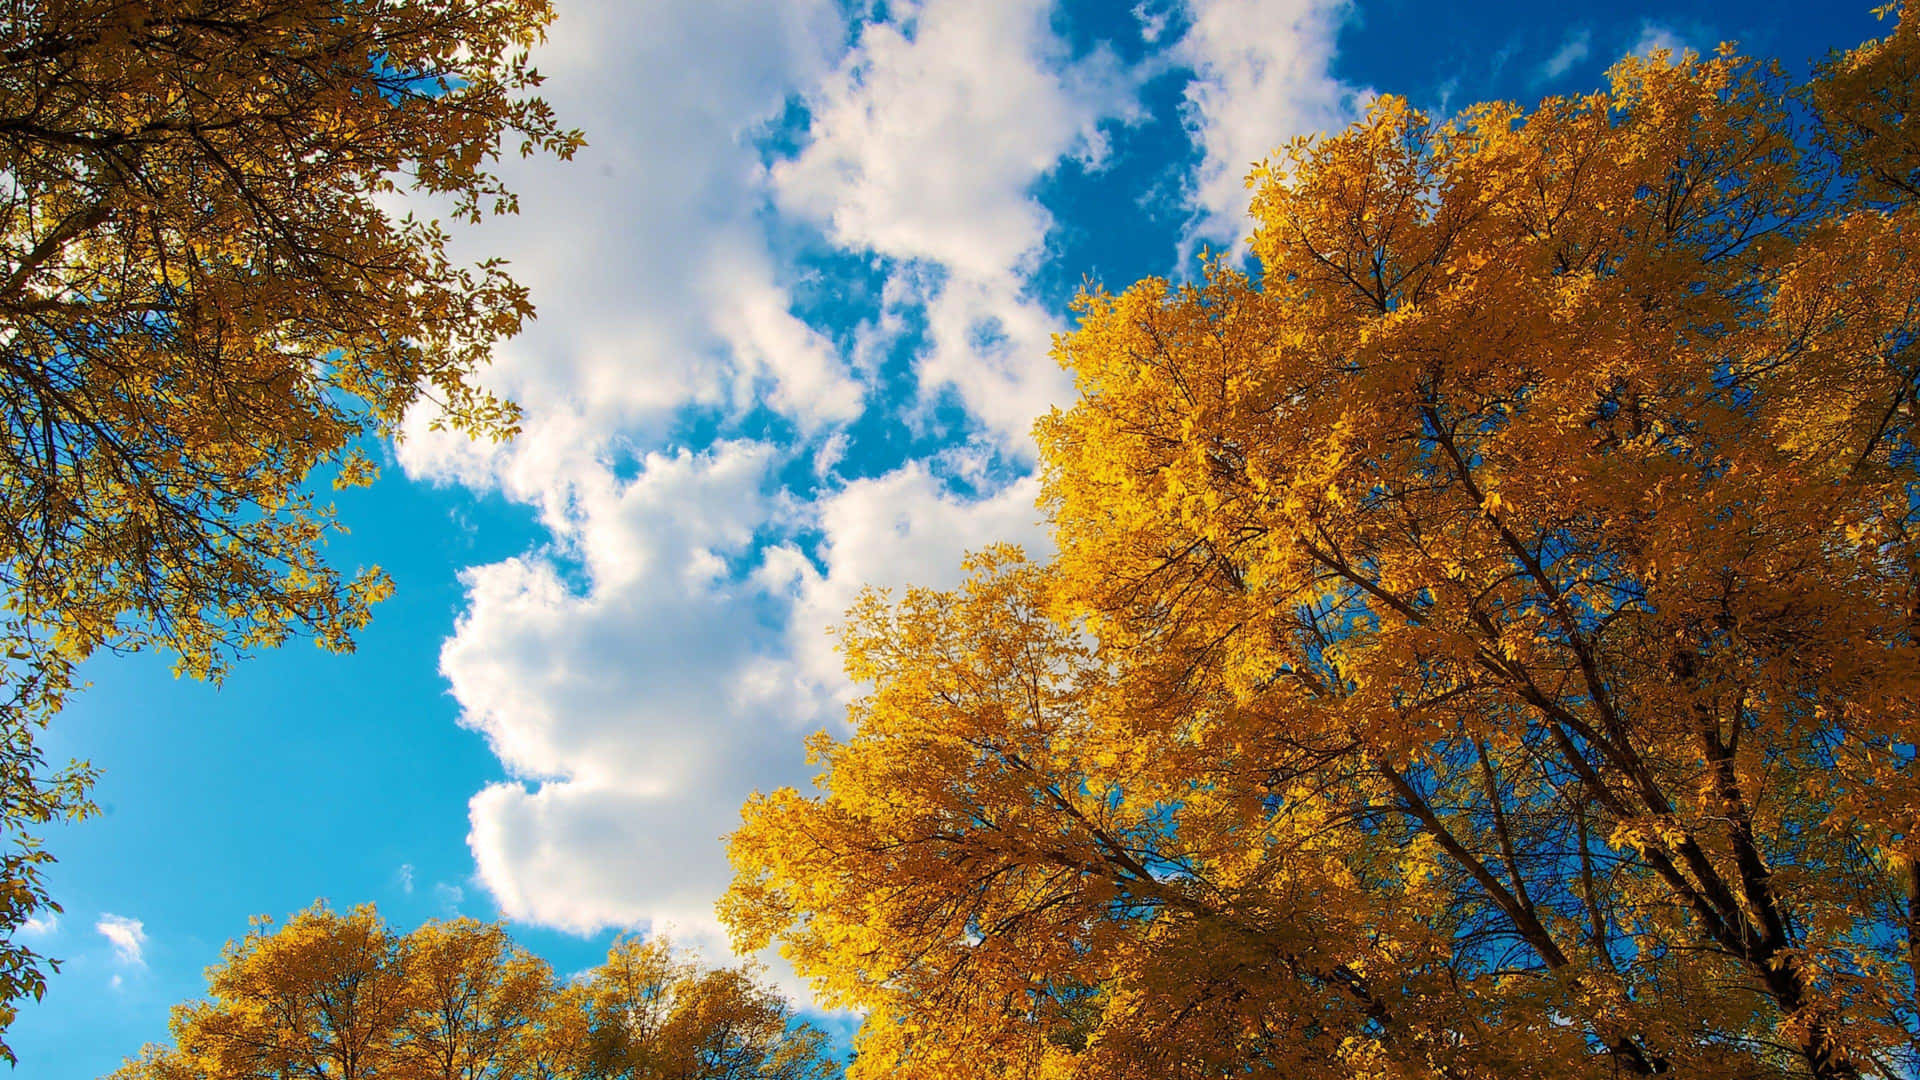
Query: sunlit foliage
<point>340,996</point>
<point>205,296</point>
<point>1481,645</point>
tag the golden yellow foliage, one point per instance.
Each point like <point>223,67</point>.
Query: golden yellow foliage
<point>1483,645</point>
<point>646,1014</point>
<point>203,300</point>
<point>339,996</point>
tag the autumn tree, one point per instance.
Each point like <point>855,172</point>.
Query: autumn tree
<point>208,293</point>
<point>478,1003</point>
<point>341,996</point>
<point>648,1014</point>
<point>1482,645</point>
<point>326,996</point>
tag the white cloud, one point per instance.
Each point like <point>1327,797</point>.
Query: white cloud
<point>1263,74</point>
<point>1153,19</point>
<point>404,876</point>
<point>617,697</point>
<point>926,142</point>
<point>1573,50</point>
<point>638,701</point>
<point>903,528</point>
<point>604,668</point>
<point>127,936</point>
<point>993,346</point>
<point>653,277</point>
<point>40,926</point>
<point>1656,36</point>
<point>809,380</point>
<point>581,857</point>
<point>606,684</point>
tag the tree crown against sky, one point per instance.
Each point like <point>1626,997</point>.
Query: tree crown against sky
<point>1483,645</point>
<point>340,996</point>
<point>207,293</point>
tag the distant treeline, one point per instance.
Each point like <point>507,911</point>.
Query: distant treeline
<point>340,996</point>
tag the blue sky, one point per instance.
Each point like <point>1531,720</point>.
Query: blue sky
<point>796,299</point>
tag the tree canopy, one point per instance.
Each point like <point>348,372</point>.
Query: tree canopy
<point>1482,643</point>
<point>340,996</point>
<point>207,293</point>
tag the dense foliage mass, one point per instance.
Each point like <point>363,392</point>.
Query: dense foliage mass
<point>204,298</point>
<point>1482,646</point>
<point>339,996</point>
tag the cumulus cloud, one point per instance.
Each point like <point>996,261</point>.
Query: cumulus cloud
<point>604,667</point>
<point>925,145</point>
<point>623,679</point>
<point>638,699</point>
<point>40,926</point>
<point>608,683</point>
<point>928,135</point>
<point>904,528</point>
<point>1262,74</point>
<point>807,378</point>
<point>127,936</point>
<point>582,857</point>
<point>654,279</point>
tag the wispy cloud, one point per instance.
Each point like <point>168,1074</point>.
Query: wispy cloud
<point>404,876</point>
<point>1153,19</point>
<point>1577,47</point>
<point>1263,73</point>
<point>127,936</point>
<point>1656,36</point>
